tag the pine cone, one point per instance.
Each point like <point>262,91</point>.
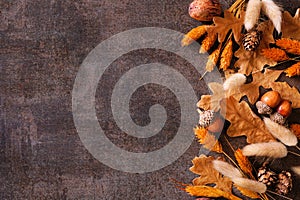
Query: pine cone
<point>284,184</point>
<point>266,176</point>
<point>206,117</point>
<point>251,40</point>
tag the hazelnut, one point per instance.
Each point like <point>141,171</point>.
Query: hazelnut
<point>205,10</point>
<point>285,108</point>
<point>216,126</point>
<point>268,101</point>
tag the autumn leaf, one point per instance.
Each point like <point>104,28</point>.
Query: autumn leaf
<point>296,129</point>
<point>287,92</point>
<point>249,61</point>
<point>203,166</point>
<point>243,163</point>
<point>206,191</point>
<point>291,25</point>
<point>208,140</point>
<point>224,25</point>
<point>251,90</point>
<point>212,102</point>
<point>246,192</point>
<point>244,122</point>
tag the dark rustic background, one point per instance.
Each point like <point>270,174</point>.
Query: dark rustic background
<point>42,44</point>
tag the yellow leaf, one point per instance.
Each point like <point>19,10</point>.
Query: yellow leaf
<point>287,92</point>
<point>206,191</point>
<point>247,193</point>
<point>208,140</point>
<point>203,166</point>
<point>244,122</point>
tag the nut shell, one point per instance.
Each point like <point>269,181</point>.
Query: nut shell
<point>285,108</point>
<point>216,126</point>
<point>271,98</point>
<point>205,10</point>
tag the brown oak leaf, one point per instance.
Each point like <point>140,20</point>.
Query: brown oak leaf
<point>249,61</point>
<point>203,166</point>
<point>244,122</point>
<point>251,90</point>
<point>212,102</point>
<point>224,25</point>
<point>287,92</point>
<point>291,25</point>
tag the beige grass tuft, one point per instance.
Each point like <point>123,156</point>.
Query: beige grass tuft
<point>270,149</point>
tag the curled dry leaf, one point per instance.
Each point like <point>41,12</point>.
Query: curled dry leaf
<point>224,25</point>
<point>291,25</point>
<point>203,166</point>
<point>244,122</point>
<point>287,92</point>
<point>206,191</point>
<point>212,102</point>
<point>243,162</point>
<point>208,140</point>
<point>250,61</point>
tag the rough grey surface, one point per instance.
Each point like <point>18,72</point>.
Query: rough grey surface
<point>42,44</point>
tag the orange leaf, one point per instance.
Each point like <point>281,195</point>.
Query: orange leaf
<point>206,191</point>
<point>243,162</point>
<point>203,166</point>
<point>296,130</point>
<point>208,140</point>
<point>244,122</point>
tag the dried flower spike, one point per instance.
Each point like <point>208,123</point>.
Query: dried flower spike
<point>234,81</point>
<point>252,13</point>
<point>243,162</point>
<point>291,46</point>
<point>213,59</point>
<point>207,43</point>
<point>193,35</point>
<point>294,70</point>
<point>270,149</point>
<point>275,54</point>
<point>273,11</point>
<point>226,56</point>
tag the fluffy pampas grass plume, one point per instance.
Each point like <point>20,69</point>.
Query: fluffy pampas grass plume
<point>273,11</point>
<point>235,175</point>
<point>234,81</point>
<point>270,149</point>
<point>252,13</point>
<point>296,170</point>
<point>281,133</point>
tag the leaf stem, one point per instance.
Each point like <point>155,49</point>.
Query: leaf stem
<point>231,160</point>
<point>296,154</point>
<point>298,148</point>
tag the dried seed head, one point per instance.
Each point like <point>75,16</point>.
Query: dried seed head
<point>284,184</point>
<point>252,40</point>
<point>205,117</point>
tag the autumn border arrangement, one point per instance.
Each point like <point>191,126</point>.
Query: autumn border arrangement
<point>252,43</point>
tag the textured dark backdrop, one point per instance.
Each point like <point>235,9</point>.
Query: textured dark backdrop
<point>42,44</point>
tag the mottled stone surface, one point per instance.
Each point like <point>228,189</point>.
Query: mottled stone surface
<point>42,44</point>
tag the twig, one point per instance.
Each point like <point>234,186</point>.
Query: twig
<point>279,195</point>
<point>298,148</point>
<point>296,154</point>
<point>270,196</point>
<point>201,78</point>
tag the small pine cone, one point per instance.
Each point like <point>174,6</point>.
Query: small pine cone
<point>251,40</point>
<point>284,184</point>
<point>206,118</point>
<point>278,118</point>
<point>266,176</point>
<point>263,108</point>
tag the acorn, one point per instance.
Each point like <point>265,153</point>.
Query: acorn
<point>267,102</point>
<point>216,126</point>
<point>205,10</point>
<point>284,109</point>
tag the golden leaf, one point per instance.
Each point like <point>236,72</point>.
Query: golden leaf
<point>294,70</point>
<point>251,90</point>
<point>203,166</point>
<point>208,140</point>
<point>244,122</point>
<point>291,46</point>
<point>226,56</point>
<point>243,162</point>
<point>212,102</point>
<point>206,191</point>
<point>224,25</point>
<point>250,61</point>
<point>287,92</point>
<point>247,192</point>
<point>291,25</point>
<point>275,54</point>
<point>296,130</point>
<point>193,35</point>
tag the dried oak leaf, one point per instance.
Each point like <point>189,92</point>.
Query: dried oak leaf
<point>212,102</point>
<point>248,61</point>
<point>287,92</point>
<point>296,129</point>
<point>206,191</point>
<point>203,166</point>
<point>247,192</point>
<point>243,163</point>
<point>251,90</point>
<point>244,122</point>
<point>208,140</point>
<point>224,25</point>
<point>291,25</point>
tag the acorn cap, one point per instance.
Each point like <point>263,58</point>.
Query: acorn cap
<point>205,117</point>
<point>263,108</point>
<point>278,118</point>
